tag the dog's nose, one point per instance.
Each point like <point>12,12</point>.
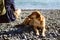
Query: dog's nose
<point>29,19</point>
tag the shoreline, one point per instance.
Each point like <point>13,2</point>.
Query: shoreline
<point>38,9</point>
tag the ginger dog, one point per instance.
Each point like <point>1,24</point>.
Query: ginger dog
<point>37,20</point>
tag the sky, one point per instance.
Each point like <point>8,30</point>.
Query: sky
<point>39,1</point>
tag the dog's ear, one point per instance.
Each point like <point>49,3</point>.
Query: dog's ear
<point>37,13</point>
<point>29,16</point>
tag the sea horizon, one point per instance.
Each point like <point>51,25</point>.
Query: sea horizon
<point>40,4</point>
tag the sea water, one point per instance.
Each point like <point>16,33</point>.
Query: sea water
<point>37,4</point>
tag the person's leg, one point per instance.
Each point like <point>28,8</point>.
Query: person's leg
<point>10,10</point>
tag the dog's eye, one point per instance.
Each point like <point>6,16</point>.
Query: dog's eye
<point>31,18</point>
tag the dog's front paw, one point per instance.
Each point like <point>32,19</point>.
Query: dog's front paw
<point>37,34</point>
<point>43,34</point>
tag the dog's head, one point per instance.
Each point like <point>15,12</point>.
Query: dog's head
<point>35,14</point>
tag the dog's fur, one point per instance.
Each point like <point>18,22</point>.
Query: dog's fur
<point>37,20</point>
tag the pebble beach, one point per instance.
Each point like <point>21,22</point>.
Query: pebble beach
<point>8,31</point>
